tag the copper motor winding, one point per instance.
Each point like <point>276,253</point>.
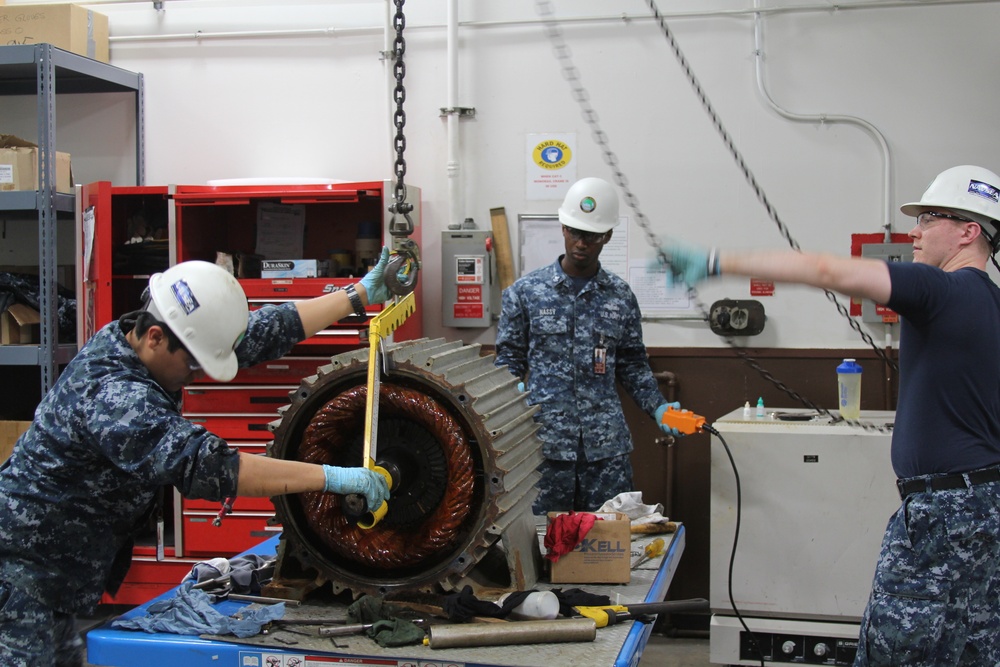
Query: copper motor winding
<point>327,440</point>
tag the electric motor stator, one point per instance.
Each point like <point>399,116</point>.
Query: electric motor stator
<point>460,442</point>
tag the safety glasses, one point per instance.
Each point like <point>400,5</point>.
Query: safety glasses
<point>192,363</point>
<point>586,237</point>
<point>930,218</point>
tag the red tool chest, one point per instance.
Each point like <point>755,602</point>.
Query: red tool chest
<point>199,222</point>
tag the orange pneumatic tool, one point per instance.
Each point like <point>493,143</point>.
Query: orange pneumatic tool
<point>684,421</point>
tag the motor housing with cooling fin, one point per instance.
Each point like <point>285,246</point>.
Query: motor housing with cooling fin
<point>461,444</point>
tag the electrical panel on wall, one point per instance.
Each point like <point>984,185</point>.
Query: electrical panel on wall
<point>470,293</point>
<point>890,252</point>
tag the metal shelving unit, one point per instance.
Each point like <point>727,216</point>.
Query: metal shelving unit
<point>44,70</point>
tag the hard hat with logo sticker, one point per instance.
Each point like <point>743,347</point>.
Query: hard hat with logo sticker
<point>205,306</point>
<point>591,205</point>
<point>969,190</point>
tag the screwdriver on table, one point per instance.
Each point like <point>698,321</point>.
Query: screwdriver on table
<point>653,549</point>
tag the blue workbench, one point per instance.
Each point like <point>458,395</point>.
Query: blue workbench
<point>623,644</point>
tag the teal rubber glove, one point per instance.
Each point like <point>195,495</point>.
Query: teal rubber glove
<point>689,264</point>
<point>659,419</point>
<point>374,280</point>
<point>367,482</point>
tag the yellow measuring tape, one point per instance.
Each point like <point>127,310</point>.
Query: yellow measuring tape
<point>381,326</point>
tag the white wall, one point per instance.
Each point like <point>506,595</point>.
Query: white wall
<point>317,104</point>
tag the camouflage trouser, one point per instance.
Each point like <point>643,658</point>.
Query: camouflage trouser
<point>934,601</point>
<point>581,485</point>
<point>33,635</point>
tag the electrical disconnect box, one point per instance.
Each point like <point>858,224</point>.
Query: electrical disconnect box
<point>470,292</point>
<point>890,252</point>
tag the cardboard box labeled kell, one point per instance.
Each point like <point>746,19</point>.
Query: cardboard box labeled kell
<point>19,325</point>
<point>19,166</point>
<point>603,557</point>
<point>66,26</point>
<point>288,268</point>
<point>9,433</point>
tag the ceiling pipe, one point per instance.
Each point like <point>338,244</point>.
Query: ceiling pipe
<point>613,18</point>
<point>827,118</point>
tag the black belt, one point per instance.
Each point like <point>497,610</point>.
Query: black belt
<point>945,482</point>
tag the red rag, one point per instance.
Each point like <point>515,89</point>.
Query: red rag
<point>565,531</point>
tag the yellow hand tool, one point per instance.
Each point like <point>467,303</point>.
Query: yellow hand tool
<point>610,614</point>
<point>381,326</point>
<point>653,549</point>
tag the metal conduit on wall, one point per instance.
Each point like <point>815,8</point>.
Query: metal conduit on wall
<point>750,12</point>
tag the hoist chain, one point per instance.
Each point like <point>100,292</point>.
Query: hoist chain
<point>751,180</point>
<point>401,273</point>
<point>582,97</point>
<point>399,117</point>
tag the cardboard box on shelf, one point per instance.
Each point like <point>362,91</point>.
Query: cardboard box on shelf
<point>19,166</point>
<point>66,26</point>
<point>603,557</point>
<point>10,432</point>
<point>19,325</point>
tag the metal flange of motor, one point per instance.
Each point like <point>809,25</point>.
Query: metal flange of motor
<point>462,446</point>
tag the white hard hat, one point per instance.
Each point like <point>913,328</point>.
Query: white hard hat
<point>591,205</point>
<point>205,307</point>
<point>972,190</point>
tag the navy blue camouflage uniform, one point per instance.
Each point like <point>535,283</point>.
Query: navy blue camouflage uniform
<point>548,333</point>
<point>85,475</point>
<point>935,599</point>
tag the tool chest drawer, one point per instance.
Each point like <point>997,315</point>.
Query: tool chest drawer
<point>241,504</point>
<point>276,290</point>
<point>236,427</point>
<point>288,370</point>
<point>237,532</point>
<point>348,332</point>
<point>235,398</point>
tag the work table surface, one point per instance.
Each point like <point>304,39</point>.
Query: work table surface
<point>615,645</point>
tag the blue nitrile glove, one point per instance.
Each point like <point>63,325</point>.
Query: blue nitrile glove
<point>689,264</point>
<point>374,280</point>
<point>659,418</point>
<point>367,482</point>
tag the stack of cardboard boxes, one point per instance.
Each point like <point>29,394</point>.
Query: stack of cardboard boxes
<point>69,27</point>
<point>66,26</point>
<point>72,28</point>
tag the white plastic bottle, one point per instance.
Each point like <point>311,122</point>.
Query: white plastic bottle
<point>849,389</point>
<point>747,412</point>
